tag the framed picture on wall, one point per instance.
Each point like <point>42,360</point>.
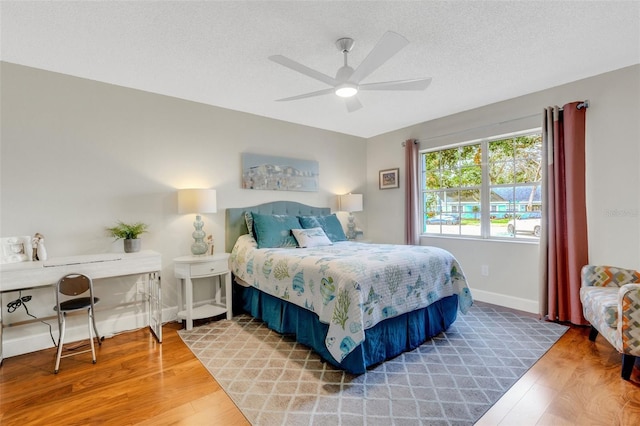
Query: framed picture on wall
<point>389,178</point>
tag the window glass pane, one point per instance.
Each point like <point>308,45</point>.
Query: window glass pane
<point>470,155</point>
<point>431,203</point>
<point>501,210</point>
<point>434,180</point>
<point>451,198</point>
<point>450,179</point>
<point>501,172</point>
<point>449,158</point>
<point>432,160</point>
<point>501,150</point>
<point>528,146</point>
<point>470,217</point>
<point>470,176</point>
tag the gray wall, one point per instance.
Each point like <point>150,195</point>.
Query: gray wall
<point>77,155</point>
<point>613,182</point>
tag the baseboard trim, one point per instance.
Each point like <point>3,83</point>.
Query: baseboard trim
<point>512,302</point>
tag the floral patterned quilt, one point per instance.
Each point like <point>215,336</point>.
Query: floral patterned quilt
<point>352,286</point>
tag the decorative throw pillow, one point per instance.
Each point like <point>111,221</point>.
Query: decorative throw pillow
<point>272,230</point>
<point>311,237</point>
<point>329,224</point>
<point>248,218</point>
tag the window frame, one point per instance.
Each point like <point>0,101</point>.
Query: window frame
<point>485,190</point>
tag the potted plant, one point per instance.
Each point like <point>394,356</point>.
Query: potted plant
<point>129,234</point>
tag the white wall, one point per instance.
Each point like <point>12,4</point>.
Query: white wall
<point>613,182</point>
<point>77,155</point>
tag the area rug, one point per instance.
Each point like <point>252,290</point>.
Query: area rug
<point>452,379</point>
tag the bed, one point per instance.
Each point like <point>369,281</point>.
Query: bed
<point>355,304</point>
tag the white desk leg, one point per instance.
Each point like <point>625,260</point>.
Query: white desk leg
<point>227,294</point>
<point>189,296</point>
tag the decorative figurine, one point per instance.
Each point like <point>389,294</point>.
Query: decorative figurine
<point>39,250</point>
<point>210,244</point>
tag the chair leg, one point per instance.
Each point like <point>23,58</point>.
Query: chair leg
<point>93,320</point>
<point>90,324</point>
<point>61,327</point>
<point>627,365</point>
<point>593,334</point>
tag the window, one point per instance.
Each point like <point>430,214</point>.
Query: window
<point>490,188</point>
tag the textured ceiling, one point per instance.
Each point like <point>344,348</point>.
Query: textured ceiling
<point>216,52</point>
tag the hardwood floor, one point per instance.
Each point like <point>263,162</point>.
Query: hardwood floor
<point>135,381</point>
<point>576,382</point>
<point>138,381</point>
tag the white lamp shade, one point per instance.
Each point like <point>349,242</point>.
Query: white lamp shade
<point>197,201</point>
<point>351,203</point>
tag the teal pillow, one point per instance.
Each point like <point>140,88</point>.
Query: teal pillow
<point>329,224</point>
<point>272,230</point>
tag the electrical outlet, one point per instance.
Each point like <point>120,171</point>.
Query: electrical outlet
<point>484,270</point>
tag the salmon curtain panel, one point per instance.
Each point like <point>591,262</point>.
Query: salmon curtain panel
<point>563,242</point>
<point>412,192</point>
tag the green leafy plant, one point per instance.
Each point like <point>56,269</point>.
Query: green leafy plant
<point>127,231</point>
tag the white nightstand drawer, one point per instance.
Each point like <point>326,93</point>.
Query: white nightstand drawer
<point>208,268</point>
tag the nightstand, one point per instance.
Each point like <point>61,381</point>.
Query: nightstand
<point>186,268</point>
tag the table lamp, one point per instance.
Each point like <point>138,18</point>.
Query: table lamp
<point>197,201</point>
<point>350,203</point>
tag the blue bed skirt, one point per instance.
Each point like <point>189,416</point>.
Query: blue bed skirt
<point>385,340</point>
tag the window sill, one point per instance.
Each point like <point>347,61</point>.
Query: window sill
<point>480,239</point>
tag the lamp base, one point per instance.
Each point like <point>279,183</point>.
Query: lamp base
<point>199,247</point>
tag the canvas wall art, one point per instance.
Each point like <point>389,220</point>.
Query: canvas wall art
<point>279,173</point>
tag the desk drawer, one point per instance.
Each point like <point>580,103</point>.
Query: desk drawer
<point>209,268</point>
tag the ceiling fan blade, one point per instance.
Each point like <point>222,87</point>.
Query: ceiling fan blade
<point>415,84</point>
<point>390,44</point>
<point>353,103</point>
<point>308,95</point>
<point>302,69</point>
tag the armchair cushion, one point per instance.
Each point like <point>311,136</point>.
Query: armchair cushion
<point>600,305</point>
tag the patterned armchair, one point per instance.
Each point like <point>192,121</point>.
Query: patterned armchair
<point>611,303</point>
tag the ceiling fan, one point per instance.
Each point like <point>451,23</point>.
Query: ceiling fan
<point>347,82</point>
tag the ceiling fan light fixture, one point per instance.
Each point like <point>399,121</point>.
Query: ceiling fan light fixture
<point>346,90</point>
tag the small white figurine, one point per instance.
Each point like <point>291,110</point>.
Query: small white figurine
<point>210,243</point>
<point>39,250</point>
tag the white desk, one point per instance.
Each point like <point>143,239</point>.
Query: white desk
<point>27,275</point>
<point>189,267</point>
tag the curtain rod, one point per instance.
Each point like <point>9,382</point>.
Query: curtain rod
<point>583,104</point>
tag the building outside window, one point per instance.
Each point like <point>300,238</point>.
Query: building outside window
<point>486,189</point>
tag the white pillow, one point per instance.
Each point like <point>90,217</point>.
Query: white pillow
<point>311,237</point>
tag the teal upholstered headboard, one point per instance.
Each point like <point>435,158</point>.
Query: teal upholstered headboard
<point>235,224</point>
